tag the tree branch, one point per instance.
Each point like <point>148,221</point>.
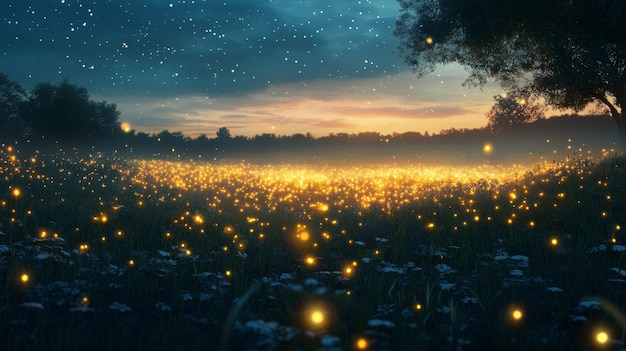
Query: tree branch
<point>602,98</point>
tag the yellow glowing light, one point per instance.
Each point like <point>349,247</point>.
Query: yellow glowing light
<point>323,208</point>
<point>554,241</point>
<point>16,192</point>
<point>517,314</point>
<point>131,262</point>
<point>602,337</point>
<point>348,271</point>
<point>361,344</point>
<point>317,317</point>
<point>429,40</point>
<point>198,219</point>
<point>24,278</point>
<point>310,260</point>
<point>418,306</point>
<point>84,301</point>
<point>125,126</point>
<point>304,236</point>
<point>487,149</point>
<point>228,273</point>
<point>83,247</point>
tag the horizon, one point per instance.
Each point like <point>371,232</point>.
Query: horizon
<point>275,67</point>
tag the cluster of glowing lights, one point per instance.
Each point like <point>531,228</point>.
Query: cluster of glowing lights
<point>318,196</point>
<point>323,191</point>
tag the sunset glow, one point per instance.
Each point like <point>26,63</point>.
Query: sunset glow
<point>312,175</point>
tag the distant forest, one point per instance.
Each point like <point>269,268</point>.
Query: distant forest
<point>64,114</point>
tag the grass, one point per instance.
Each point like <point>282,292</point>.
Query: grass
<point>99,251</point>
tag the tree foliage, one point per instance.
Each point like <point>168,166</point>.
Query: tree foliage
<point>66,110</point>
<point>509,112</point>
<point>571,53</point>
<point>12,96</point>
<point>223,133</point>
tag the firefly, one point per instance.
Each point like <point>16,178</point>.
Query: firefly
<point>517,314</point>
<point>602,337</point>
<point>487,148</point>
<point>125,126</point>
<point>317,317</point>
<point>361,344</point>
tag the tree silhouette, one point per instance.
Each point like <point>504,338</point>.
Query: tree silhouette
<point>223,133</point>
<point>509,112</point>
<point>572,53</point>
<point>12,97</point>
<point>65,110</point>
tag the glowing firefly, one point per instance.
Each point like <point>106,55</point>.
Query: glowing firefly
<point>487,149</point>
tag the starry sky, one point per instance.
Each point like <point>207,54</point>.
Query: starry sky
<point>267,66</point>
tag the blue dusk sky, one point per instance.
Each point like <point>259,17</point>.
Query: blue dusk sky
<point>268,66</point>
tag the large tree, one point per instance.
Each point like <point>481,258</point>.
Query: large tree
<point>66,110</point>
<point>572,53</point>
<point>12,97</point>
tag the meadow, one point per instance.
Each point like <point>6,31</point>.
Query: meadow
<point>106,251</point>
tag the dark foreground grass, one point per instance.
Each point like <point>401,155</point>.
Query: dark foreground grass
<point>99,252</point>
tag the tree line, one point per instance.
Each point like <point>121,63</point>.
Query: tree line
<point>65,112</point>
<point>62,111</point>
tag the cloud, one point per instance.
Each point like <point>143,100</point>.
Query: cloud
<point>407,112</point>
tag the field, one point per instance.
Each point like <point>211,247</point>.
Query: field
<point>104,251</point>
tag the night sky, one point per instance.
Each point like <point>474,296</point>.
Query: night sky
<point>269,66</point>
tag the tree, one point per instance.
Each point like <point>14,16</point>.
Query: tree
<point>65,110</point>
<point>104,118</point>
<point>223,133</point>
<point>509,112</point>
<point>572,53</point>
<point>12,97</point>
